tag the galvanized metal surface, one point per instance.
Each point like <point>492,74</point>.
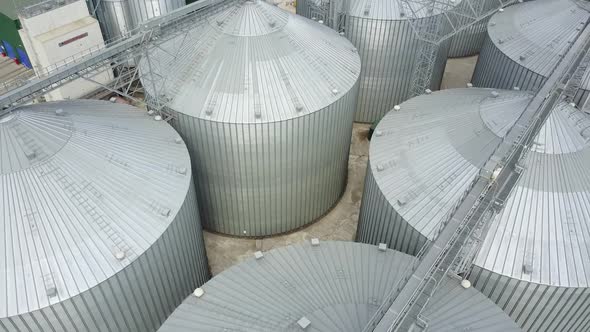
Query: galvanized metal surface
<point>114,17</point>
<point>100,220</point>
<point>265,101</point>
<point>118,17</point>
<point>143,10</point>
<point>329,12</point>
<point>470,41</point>
<point>526,41</point>
<point>336,285</point>
<point>534,262</point>
<point>389,49</point>
<point>423,158</point>
<point>454,308</point>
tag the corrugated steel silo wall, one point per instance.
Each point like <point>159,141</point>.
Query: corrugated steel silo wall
<point>380,223</point>
<point>388,51</point>
<point>143,10</point>
<point>302,8</point>
<point>141,296</point>
<point>469,41</point>
<point>269,178</point>
<point>536,307</point>
<point>114,17</point>
<point>495,70</point>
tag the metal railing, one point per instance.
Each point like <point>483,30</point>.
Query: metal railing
<point>44,7</point>
<point>86,63</point>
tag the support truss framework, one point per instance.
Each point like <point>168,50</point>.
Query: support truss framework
<point>121,56</point>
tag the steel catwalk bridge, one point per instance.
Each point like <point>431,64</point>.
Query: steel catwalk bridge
<point>401,311</point>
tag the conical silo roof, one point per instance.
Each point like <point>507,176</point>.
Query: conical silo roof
<point>337,286</point>
<point>453,308</point>
<point>252,62</point>
<point>88,190</point>
<point>536,34</point>
<point>526,41</point>
<point>330,286</point>
<point>540,235</point>
<point>424,157</point>
<point>535,259</point>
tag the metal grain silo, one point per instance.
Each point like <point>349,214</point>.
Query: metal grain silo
<point>526,41</point>
<point>265,100</point>
<point>424,157</point>
<point>389,50</point>
<point>535,259</point>
<point>143,10</point>
<point>118,17</point>
<point>114,17</point>
<point>470,40</point>
<point>326,286</point>
<point>99,219</point>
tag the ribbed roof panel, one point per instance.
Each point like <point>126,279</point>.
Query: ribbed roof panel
<point>251,62</point>
<point>31,138</point>
<point>85,188</point>
<point>424,156</point>
<point>541,235</point>
<point>337,286</point>
<point>535,34</point>
<point>454,308</point>
<point>249,20</point>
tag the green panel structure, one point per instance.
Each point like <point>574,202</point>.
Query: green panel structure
<point>9,26</point>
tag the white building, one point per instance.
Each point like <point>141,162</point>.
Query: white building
<point>57,31</point>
